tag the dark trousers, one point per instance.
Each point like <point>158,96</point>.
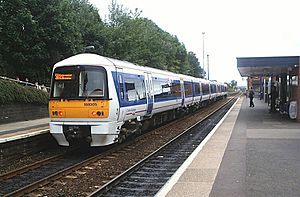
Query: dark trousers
<point>272,109</point>
<point>251,102</point>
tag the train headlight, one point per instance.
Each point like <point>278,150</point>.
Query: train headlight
<point>93,113</point>
<point>59,113</point>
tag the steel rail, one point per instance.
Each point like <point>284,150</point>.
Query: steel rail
<point>46,180</point>
<point>109,185</point>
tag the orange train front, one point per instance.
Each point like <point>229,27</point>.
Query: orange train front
<point>79,105</point>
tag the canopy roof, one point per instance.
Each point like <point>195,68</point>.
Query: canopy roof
<point>266,66</point>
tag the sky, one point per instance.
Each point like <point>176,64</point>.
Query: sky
<point>233,28</point>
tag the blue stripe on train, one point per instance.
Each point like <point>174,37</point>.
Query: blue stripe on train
<point>125,103</point>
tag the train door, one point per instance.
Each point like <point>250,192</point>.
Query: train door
<point>149,92</point>
<point>182,92</point>
<point>201,91</point>
<point>210,92</point>
<point>121,94</point>
<point>193,92</point>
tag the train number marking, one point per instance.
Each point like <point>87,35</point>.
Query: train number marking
<point>90,104</point>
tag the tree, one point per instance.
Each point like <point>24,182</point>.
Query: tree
<point>197,71</point>
<point>16,35</point>
<point>91,27</point>
<point>119,15</point>
<point>141,41</point>
<point>232,85</point>
<point>35,34</point>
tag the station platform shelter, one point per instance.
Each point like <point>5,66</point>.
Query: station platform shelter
<point>252,152</point>
<point>274,80</point>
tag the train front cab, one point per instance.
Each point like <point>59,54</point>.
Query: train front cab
<point>80,106</point>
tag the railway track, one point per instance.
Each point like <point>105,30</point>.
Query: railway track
<point>30,167</point>
<point>82,176</point>
<point>14,150</point>
<point>21,181</point>
<point>149,175</point>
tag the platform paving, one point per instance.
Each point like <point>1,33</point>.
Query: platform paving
<point>23,129</point>
<point>252,153</point>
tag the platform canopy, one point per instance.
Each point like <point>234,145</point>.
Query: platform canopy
<point>266,66</point>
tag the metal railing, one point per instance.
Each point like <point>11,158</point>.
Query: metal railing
<point>27,83</point>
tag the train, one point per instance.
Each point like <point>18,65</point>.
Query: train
<point>98,101</point>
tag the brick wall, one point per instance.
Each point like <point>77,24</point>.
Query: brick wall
<point>21,112</point>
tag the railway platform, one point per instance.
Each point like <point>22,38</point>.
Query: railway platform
<point>24,129</point>
<point>252,153</point>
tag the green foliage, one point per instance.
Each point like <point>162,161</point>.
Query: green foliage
<point>35,34</point>
<point>141,41</point>
<point>232,86</point>
<point>12,92</point>
<point>197,71</point>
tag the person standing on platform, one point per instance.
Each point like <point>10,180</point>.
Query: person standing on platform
<point>251,95</point>
<point>273,95</point>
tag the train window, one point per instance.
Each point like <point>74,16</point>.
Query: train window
<point>188,88</point>
<point>197,89</point>
<point>162,88</point>
<point>91,83</point>
<point>213,88</point>
<point>205,88</point>
<point>135,88</point>
<point>218,88</point>
<point>121,86</point>
<point>73,82</point>
<point>175,88</point>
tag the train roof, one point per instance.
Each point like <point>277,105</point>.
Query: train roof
<point>125,64</point>
<point>98,60</point>
<point>84,59</point>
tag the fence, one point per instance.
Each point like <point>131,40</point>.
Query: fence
<point>26,83</point>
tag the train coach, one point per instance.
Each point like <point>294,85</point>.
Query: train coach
<point>99,101</point>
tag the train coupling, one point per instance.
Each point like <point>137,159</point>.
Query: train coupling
<point>77,134</point>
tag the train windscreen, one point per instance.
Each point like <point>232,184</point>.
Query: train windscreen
<point>79,82</point>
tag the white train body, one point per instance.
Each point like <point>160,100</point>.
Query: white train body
<point>101,100</point>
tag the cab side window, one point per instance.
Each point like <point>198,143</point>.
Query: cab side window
<point>135,88</point>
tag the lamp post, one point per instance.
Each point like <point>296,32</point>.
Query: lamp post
<point>203,33</point>
<point>207,58</point>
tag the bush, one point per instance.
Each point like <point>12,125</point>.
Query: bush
<point>12,92</point>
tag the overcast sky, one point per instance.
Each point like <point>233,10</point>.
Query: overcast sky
<point>233,28</point>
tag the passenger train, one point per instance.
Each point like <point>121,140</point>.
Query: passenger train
<point>99,101</point>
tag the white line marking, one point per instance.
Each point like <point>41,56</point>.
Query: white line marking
<point>25,135</point>
<point>173,180</point>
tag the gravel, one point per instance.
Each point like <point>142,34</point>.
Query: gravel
<point>93,176</point>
